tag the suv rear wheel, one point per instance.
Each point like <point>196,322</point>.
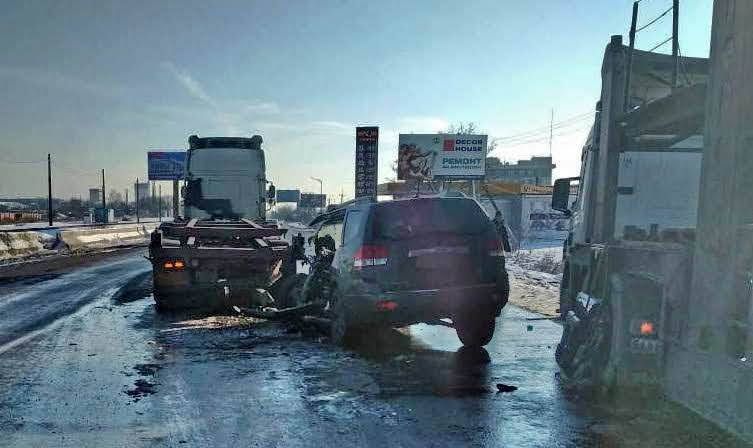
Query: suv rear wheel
<point>474,330</point>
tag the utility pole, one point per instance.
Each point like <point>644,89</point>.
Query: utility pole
<point>126,200</point>
<point>551,133</point>
<point>159,204</point>
<point>633,23</point>
<point>675,40</point>
<point>175,199</point>
<point>136,193</point>
<point>152,205</point>
<point>341,196</point>
<point>49,190</point>
<point>316,179</point>
<point>104,204</point>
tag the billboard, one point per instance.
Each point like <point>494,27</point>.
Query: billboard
<point>367,147</point>
<point>441,156</point>
<point>312,200</point>
<point>288,196</point>
<point>166,165</point>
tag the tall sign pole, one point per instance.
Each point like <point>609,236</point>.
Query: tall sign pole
<point>49,190</point>
<point>104,204</point>
<point>136,193</point>
<point>367,161</point>
<point>175,199</point>
<point>159,204</point>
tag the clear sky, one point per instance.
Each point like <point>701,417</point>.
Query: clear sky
<point>99,83</point>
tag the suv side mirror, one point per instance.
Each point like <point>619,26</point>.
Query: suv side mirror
<point>561,195</point>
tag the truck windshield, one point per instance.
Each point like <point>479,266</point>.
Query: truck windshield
<point>403,219</point>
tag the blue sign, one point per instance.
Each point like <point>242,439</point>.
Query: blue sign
<point>166,165</point>
<point>288,195</point>
<point>312,200</point>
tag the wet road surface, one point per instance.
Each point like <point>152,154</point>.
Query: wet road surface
<point>86,361</point>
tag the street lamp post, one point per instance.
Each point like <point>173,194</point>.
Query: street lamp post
<point>316,179</point>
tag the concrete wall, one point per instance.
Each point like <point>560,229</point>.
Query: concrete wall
<point>710,368</point>
<point>106,237</point>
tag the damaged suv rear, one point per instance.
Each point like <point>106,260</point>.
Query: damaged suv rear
<point>407,261</point>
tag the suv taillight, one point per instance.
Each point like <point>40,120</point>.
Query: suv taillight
<point>370,256</point>
<point>495,248</point>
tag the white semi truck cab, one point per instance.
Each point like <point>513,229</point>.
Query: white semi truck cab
<point>225,178</point>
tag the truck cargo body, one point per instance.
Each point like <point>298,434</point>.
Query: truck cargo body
<point>628,255</point>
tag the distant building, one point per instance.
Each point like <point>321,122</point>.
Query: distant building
<point>536,171</point>
<point>95,195</point>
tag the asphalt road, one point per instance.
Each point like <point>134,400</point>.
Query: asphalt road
<point>86,361</point>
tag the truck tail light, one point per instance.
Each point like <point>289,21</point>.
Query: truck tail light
<point>643,327</point>
<point>494,246</point>
<point>368,256</point>
<point>170,265</point>
<point>386,305</point>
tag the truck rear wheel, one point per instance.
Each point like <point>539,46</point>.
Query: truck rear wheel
<point>474,330</point>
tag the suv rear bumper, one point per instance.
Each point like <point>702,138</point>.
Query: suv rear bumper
<point>415,306</point>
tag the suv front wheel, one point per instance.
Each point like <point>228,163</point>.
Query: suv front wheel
<point>474,330</point>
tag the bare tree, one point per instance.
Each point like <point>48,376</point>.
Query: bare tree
<point>461,128</point>
<point>470,128</point>
<point>114,197</point>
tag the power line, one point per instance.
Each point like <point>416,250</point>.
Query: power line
<point>654,21</point>
<point>545,129</point>
<point>544,138</point>
<point>72,170</point>
<point>14,162</point>
<point>660,44</point>
<point>540,136</point>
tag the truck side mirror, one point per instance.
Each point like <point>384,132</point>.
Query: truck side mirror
<point>192,192</point>
<point>561,195</point>
<point>271,194</point>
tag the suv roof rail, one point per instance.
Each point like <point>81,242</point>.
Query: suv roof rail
<point>334,210</point>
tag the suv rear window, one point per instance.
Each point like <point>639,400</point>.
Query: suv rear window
<point>404,219</point>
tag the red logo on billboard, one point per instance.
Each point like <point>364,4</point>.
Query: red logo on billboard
<point>449,145</point>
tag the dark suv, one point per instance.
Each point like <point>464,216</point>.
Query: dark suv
<point>406,261</point>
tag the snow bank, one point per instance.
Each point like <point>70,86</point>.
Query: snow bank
<point>23,244</point>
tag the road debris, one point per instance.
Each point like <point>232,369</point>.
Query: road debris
<point>504,388</point>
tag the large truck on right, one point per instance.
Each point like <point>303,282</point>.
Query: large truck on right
<point>628,254</point>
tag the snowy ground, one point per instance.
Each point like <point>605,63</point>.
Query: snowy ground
<point>535,274</point>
